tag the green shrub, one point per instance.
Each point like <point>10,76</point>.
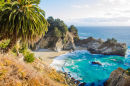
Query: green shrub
<point>128,71</point>
<point>111,41</point>
<point>29,57</point>
<point>56,33</point>
<point>4,43</point>
<point>73,30</point>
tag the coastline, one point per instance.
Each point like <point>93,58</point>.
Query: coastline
<point>48,55</point>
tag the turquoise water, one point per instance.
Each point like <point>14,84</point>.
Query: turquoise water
<point>78,63</point>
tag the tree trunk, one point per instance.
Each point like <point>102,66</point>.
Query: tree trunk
<point>10,46</point>
<point>17,47</point>
<point>1,38</point>
<point>13,41</point>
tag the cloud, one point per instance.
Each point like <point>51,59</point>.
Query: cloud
<point>118,1</point>
<point>101,19</point>
<point>86,5</point>
<point>99,4</point>
<point>79,6</point>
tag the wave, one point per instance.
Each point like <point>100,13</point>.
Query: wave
<point>127,53</point>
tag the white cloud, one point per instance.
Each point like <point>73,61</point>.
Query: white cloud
<point>80,6</point>
<point>118,1</point>
<point>99,4</point>
<point>86,5</point>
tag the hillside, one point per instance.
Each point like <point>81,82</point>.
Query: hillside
<point>14,71</point>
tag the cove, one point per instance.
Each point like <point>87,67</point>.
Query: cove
<point>79,65</point>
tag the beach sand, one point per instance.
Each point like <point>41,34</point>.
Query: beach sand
<point>48,55</point>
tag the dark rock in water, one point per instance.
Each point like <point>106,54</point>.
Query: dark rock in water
<point>77,81</point>
<point>82,84</point>
<point>73,78</point>
<point>96,63</point>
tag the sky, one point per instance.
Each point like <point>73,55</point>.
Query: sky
<point>89,12</point>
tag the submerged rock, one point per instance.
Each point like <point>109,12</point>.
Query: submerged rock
<point>118,77</point>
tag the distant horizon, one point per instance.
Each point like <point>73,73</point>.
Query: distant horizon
<point>100,26</point>
<point>89,12</point>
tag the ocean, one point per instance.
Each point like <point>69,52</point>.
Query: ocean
<point>78,63</point>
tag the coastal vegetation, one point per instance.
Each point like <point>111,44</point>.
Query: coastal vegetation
<point>15,72</point>
<point>128,71</point>
<point>111,41</point>
<point>23,23</point>
<point>21,20</point>
<point>57,25</point>
<point>58,28</point>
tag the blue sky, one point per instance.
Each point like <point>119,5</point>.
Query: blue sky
<point>89,12</point>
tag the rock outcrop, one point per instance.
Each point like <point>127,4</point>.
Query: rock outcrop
<point>98,46</point>
<point>68,42</point>
<point>118,77</point>
<point>56,44</point>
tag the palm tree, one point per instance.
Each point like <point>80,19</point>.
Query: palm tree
<point>22,20</point>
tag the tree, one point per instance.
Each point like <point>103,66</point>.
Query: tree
<point>56,33</point>
<point>63,29</point>
<point>51,22</point>
<point>73,30</point>
<point>59,24</point>
<point>22,19</point>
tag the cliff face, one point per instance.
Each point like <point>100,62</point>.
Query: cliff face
<point>98,46</point>
<point>68,42</point>
<point>57,44</point>
<point>118,78</point>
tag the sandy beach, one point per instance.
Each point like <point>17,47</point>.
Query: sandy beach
<point>48,55</point>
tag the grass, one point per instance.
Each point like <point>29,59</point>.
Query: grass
<point>16,72</point>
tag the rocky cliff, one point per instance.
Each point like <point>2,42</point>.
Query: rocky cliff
<point>118,77</point>
<point>56,44</point>
<point>98,46</point>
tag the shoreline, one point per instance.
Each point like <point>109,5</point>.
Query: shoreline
<point>48,55</point>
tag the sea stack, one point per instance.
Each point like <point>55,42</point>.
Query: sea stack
<point>98,46</point>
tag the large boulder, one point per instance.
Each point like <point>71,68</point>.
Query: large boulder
<point>118,77</point>
<point>98,46</point>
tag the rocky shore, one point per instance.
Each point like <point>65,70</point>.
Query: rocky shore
<point>95,46</point>
<point>118,77</point>
<point>98,46</point>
